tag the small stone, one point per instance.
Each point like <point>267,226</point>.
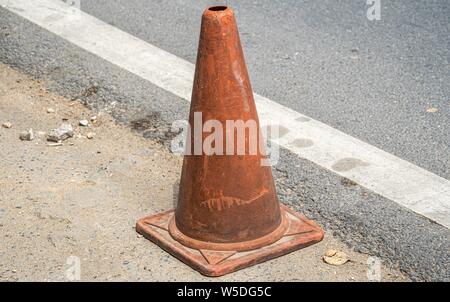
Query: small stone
<point>432,110</point>
<point>90,135</point>
<point>334,257</point>
<point>7,125</point>
<point>64,132</point>
<point>330,253</point>
<point>84,123</point>
<point>27,135</point>
<point>50,110</point>
<point>354,54</point>
<point>93,118</point>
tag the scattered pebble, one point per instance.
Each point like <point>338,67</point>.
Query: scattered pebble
<point>55,144</point>
<point>27,135</point>
<point>7,125</point>
<point>64,132</point>
<point>330,253</point>
<point>335,257</point>
<point>354,54</point>
<point>50,110</point>
<point>84,123</point>
<point>93,118</point>
<point>90,135</point>
<point>432,110</point>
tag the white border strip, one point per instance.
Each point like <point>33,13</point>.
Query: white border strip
<point>379,171</point>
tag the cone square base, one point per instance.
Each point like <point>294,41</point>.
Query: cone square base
<point>300,233</point>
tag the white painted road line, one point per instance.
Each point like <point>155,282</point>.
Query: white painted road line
<point>389,176</point>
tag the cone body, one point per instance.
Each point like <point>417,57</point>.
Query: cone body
<point>224,198</point>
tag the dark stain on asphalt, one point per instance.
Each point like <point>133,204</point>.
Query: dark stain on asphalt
<point>302,143</point>
<point>150,121</point>
<point>348,182</point>
<point>154,127</point>
<point>91,90</point>
<point>348,163</point>
<point>303,119</point>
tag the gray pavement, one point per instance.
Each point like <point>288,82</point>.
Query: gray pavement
<point>373,80</point>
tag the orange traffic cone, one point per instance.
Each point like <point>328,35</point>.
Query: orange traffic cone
<point>228,214</point>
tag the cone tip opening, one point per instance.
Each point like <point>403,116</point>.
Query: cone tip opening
<point>217,8</point>
<point>218,11</point>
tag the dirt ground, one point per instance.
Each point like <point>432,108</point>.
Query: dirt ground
<point>68,212</point>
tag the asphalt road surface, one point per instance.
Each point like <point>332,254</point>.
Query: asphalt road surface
<point>384,82</point>
<point>374,80</point>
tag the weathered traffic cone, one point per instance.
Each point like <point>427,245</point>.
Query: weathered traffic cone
<point>228,214</point>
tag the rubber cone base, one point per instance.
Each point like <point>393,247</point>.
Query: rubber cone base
<point>300,233</point>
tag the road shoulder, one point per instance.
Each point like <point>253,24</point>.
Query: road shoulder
<point>81,200</point>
